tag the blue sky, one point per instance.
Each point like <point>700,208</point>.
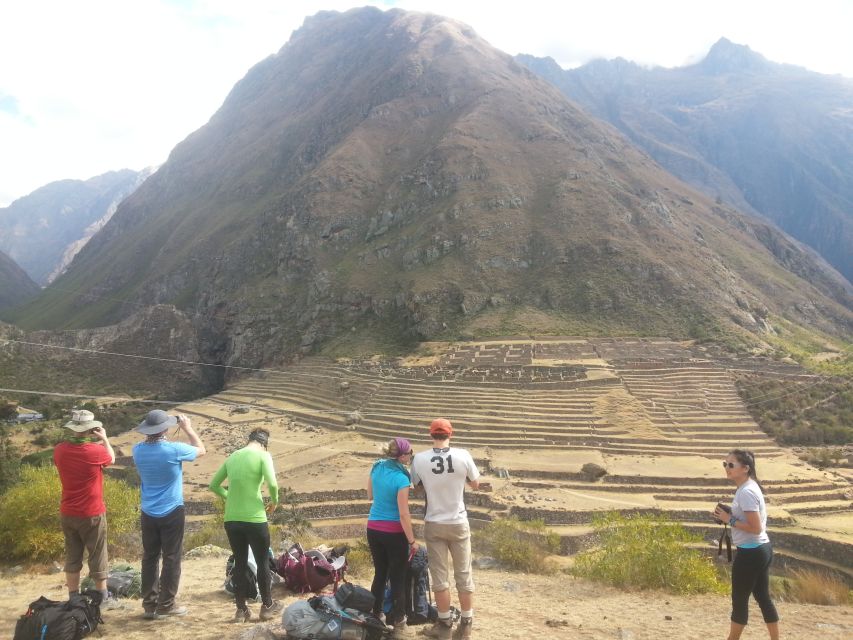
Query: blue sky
<point>97,85</point>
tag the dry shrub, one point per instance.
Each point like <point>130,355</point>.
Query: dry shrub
<point>816,587</point>
<point>212,530</point>
<point>359,560</point>
<point>523,545</point>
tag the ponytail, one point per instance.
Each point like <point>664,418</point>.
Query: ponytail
<point>396,447</point>
<point>747,459</point>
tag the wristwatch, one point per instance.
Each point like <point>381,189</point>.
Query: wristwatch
<point>732,521</point>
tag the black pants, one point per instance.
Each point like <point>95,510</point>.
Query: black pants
<point>163,536</point>
<point>751,575</point>
<point>390,552</point>
<point>241,537</point>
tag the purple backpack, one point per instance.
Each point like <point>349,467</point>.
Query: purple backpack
<point>311,570</point>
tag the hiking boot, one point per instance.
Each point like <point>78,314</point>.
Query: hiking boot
<point>272,611</point>
<point>401,630</point>
<point>110,604</point>
<point>170,613</point>
<point>463,629</point>
<point>242,615</point>
<point>440,630</point>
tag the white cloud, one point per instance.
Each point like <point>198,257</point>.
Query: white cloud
<point>108,84</point>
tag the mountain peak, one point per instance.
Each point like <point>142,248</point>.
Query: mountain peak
<point>727,57</point>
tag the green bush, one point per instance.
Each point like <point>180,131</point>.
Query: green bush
<point>519,544</point>
<point>648,552</point>
<point>44,457</point>
<point>29,514</point>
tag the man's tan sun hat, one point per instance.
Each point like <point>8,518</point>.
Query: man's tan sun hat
<point>82,420</point>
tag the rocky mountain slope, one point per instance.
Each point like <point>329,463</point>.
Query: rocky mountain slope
<point>767,138</point>
<point>391,176</point>
<point>44,230</point>
<point>68,362</point>
<point>15,285</point>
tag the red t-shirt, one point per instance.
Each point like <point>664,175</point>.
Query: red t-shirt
<point>81,472</point>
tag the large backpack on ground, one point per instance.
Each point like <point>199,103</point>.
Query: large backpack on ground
<point>73,619</point>
<point>123,581</point>
<point>322,618</point>
<point>311,570</point>
<point>419,607</point>
<point>252,591</point>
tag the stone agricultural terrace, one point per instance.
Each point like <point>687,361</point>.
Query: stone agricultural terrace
<point>656,416</point>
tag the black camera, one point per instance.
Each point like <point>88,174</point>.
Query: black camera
<point>722,507</point>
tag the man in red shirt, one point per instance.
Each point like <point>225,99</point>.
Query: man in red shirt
<point>83,513</point>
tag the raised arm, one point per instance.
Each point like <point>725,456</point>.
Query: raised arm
<point>101,435</point>
<point>186,425</point>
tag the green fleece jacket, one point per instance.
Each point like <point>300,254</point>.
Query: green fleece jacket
<point>246,469</point>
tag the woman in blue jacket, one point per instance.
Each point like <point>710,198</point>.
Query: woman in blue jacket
<point>389,528</point>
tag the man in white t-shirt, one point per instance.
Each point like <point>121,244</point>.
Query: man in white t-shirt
<point>444,471</point>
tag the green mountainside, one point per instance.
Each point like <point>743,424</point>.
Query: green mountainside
<point>388,177</point>
<point>16,287</point>
<point>771,139</point>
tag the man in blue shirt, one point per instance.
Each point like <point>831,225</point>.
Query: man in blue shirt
<point>159,463</point>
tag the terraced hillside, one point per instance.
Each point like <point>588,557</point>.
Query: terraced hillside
<point>657,416</point>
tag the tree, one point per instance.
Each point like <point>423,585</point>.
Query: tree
<point>10,461</point>
<point>8,411</point>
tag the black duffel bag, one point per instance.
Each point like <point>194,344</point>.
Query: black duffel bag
<point>351,596</point>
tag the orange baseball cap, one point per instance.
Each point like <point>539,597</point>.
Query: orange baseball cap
<point>441,426</point>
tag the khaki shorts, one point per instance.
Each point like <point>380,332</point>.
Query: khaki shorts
<point>455,540</point>
<point>89,534</point>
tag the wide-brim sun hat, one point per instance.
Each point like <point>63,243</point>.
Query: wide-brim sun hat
<point>155,422</point>
<point>441,426</point>
<point>82,420</point>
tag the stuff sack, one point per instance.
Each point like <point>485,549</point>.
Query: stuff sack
<point>312,570</point>
<point>352,596</point>
<point>301,620</point>
<point>73,619</point>
<point>252,591</point>
<point>322,618</point>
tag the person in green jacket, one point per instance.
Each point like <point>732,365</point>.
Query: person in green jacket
<point>246,518</point>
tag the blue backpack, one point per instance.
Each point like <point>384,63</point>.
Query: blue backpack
<point>419,607</point>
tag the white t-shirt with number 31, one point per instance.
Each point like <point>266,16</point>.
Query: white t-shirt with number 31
<point>444,473</point>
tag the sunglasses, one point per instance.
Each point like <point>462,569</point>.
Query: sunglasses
<point>730,465</point>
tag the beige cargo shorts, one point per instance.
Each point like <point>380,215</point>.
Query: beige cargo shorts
<point>453,540</point>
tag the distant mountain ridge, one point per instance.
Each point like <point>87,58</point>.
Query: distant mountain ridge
<point>391,176</point>
<point>44,230</point>
<point>769,138</point>
<point>16,287</point>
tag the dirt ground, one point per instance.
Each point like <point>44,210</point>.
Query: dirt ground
<point>508,605</point>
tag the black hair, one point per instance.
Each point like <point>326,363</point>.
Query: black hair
<point>747,459</point>
<point>261,436</point>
